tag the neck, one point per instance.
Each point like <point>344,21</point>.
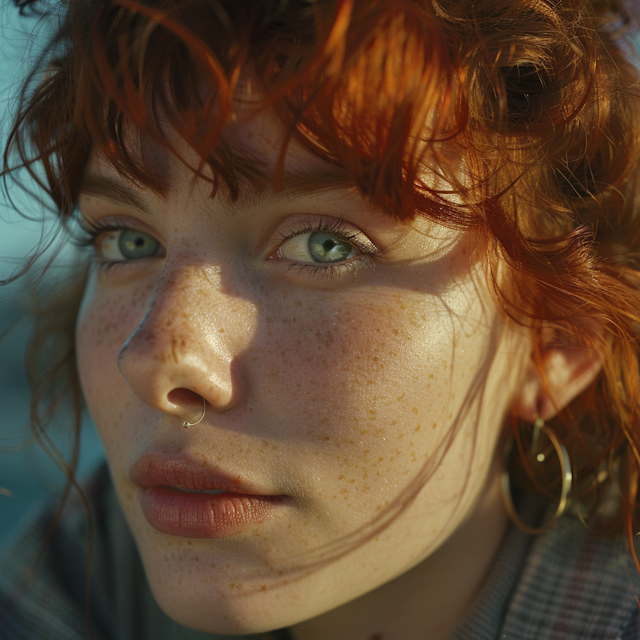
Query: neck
<point>429,600</point>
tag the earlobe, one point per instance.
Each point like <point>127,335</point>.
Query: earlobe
<point>554,378</point>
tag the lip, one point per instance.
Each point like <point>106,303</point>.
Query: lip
<point>172,504</point>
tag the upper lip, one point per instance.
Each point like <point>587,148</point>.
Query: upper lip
<point>185,472</point>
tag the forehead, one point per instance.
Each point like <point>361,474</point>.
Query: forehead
<point>256,139</point>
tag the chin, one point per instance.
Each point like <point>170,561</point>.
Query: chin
<point>193,588</point>
<point>219,611</point>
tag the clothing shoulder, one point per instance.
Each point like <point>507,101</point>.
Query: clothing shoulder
<point>42,575</point>
<point>575,584</point>
<point>568,584</point>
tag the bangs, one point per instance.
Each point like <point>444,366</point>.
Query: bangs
<point>368,88</point>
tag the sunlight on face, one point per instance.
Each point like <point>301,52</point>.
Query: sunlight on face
<point>355,373</point>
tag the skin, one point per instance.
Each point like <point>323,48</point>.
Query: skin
<point>374,398</point>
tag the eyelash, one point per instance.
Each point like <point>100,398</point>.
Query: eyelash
<point>92,230</point>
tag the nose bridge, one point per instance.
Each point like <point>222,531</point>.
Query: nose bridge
<point>193,328</point>
<point>186,299</point>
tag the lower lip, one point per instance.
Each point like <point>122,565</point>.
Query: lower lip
<point>205,515</point>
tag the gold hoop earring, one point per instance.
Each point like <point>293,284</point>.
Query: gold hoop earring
<point>565,470</point>
<point>186,423</point>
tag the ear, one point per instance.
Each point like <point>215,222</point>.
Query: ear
<point>555,376</point>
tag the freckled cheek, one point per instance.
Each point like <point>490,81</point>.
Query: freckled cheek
<point>366,405</point>
<point>356,381</point>
<point>104,323</point>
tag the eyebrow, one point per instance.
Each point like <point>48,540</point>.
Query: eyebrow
<point>106,187</point>
<point>294,186</point>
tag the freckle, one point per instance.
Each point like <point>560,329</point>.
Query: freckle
<point>435,425</point>
<point>415,410</point>
<point>417,428</point>
<point>431,376</point>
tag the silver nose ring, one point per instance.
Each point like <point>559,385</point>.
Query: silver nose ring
<point>186,423</point>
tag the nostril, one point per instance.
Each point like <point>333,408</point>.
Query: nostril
<point>184,398</point>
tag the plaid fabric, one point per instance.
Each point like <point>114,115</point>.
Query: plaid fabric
<point>568,584</point>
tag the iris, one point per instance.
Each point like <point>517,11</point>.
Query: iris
<point>134,244</point>
<point>326,247</point>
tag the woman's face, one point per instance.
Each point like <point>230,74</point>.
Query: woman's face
<point>355,373</point>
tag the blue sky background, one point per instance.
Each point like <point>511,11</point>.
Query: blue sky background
<point>27,477</point>
<point>16,236</point>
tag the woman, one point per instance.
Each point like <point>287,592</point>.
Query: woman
<point>346,257</point>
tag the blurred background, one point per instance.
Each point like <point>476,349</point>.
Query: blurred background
<point>27,476</point>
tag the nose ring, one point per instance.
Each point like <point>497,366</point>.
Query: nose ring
<point>186,423</point>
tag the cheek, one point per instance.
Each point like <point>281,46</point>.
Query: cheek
<point>382,356</point>
<point>368,392</point>
<point>104,323</point>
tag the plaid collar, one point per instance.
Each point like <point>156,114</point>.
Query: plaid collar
<point>568,584</point>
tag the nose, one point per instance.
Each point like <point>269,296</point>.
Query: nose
<point>185,348</point>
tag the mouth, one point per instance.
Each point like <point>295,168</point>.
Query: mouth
<point>183,497</point>
<point>210,492</point>
<point>185,473</point>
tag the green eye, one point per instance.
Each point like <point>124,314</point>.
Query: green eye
<point>137,244</point>
<point>319,247</point>
<point>127,244</point>
<point>327,247</point>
